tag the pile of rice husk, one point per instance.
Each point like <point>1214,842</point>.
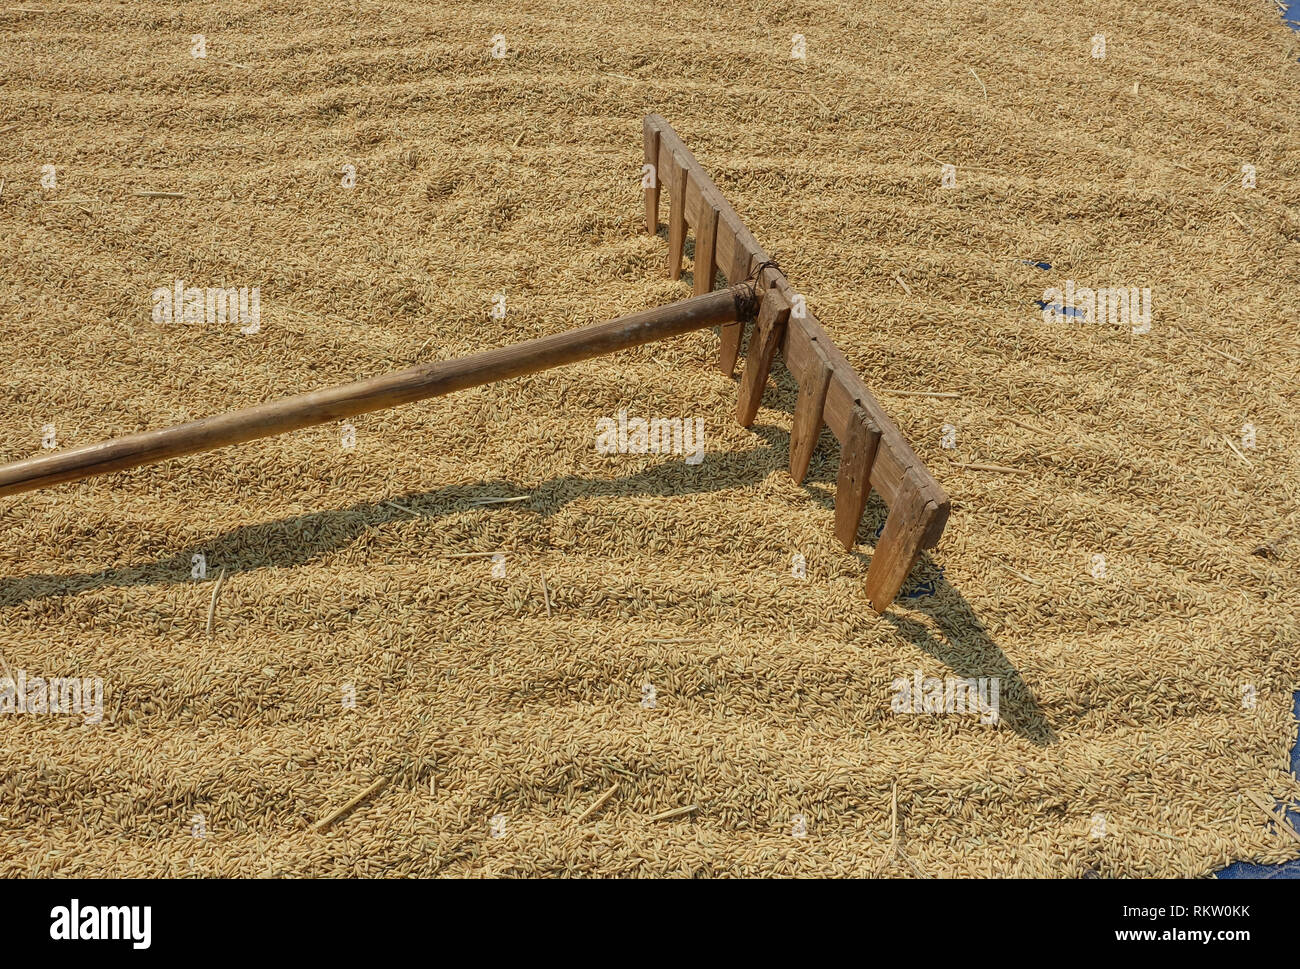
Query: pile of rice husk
<point>1144,709</point>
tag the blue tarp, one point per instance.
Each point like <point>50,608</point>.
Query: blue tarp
<point>1292,13</point>
<point>1288,869</point>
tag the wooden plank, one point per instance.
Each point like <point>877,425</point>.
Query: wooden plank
<point>706,242</point>
<point>808,410</point>
<point>908,529</point>
<point>702,195</point>
<point>729,348</point>
<point>735,258</point>
<point>773,314</point>
<point>670,163</point>
<point>650,135</point>
<point>677,223</point>
<point>699,195</point>
<point>376,393</point>
<point>853,486</point>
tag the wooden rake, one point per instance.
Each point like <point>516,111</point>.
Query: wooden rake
<point>874,453</point>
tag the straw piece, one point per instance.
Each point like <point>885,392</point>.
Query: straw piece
<point>947,395</point>
<point>1027,427</point>
<point>1232,178</point>
<point>1018,574</point>
<point>675,813</point>
<point>212,604</point>
<point>1226,356</point>
<point>599,803</point>
<point>1235,450</point>
<point>1283,824</point>
<point>893,815</point>
<point>368,793</point>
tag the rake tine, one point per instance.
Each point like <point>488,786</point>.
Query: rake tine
<point>706,247</point>
<point>854,483</point>
<point>677,221</point>
<point>909,528</point>
<point>651,138</point>
<point>809,409</point>
<point>729,346</point>
<point>729,349</point>
<point>773,314</point>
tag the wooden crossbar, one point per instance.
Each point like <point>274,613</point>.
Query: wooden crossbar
<point>874,453</point>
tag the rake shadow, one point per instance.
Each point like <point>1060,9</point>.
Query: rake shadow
<point>964,644</point>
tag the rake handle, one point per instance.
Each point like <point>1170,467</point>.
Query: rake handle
<point>376,393</point>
